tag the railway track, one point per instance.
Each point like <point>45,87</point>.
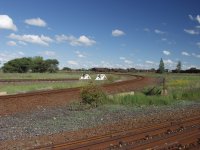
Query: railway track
<point>170,135</point>
<point>10,104</point>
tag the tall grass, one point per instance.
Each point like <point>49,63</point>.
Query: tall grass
<point>180,87</point>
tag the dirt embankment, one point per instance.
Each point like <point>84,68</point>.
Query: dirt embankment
<point>11,104</point>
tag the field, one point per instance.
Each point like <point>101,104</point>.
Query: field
<point>11,88</point>
<point>180,87</point>
<point>32,120</point>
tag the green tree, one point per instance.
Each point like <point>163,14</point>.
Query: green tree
<point>38,64</point>
<point>178,67</point>
<point>19,65</point>
<point>52,65</point>
<point>161,68</point>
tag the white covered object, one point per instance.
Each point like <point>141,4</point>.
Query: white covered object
<point>85,77</point>
<point>101,77</point>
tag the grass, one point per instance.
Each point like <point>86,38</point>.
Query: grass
<point>27,87</point>
<point>181,87</point>
<point>38,75</point>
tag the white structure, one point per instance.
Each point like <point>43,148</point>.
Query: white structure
<point>85,77</point>
<point>101,77</point>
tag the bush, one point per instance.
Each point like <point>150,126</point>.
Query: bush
<point>92,95</point>
<point>152,91</point>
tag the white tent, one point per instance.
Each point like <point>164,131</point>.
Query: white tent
<point>101,77</point>
<point>85,77</point>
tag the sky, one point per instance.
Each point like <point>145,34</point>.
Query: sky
<point>102,33</point>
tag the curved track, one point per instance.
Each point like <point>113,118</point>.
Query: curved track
<point>182,134</point>
<point>10,104</point>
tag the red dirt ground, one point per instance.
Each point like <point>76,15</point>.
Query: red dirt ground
<point>11,104</point>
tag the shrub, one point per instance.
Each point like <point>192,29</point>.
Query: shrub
<point>152,91</point>
<point>92,95</point>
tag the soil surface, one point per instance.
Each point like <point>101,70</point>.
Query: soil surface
<point>56,125</point>
<point>11,104</point>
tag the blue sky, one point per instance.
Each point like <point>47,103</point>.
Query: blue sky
<point>102,33</point>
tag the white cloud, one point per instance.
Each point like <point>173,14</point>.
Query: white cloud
<point>159,32</point>
<point>193,32</point>
<point>36,22</point>
<point>185,54</point>
<point>196,55</point>
<point>191,17</point>
<point>11,43</point>
<point>166,52</point>
<point>21,53</point>
<point>72,62</point>
<point>198,18</point>
<point>122,58</point>
<point>7,23</point>
<point>168,61</point>
<point>128,61</point>
<point>117,33</point>
<point>164,39</point>
<point>149,62</point>
<point>22,43</point>
<point>79,54</point>
<point>35,39</point>
<point>6,56</point>
<point>81,41</point>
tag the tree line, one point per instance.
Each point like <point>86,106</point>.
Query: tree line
<point>31,64</point>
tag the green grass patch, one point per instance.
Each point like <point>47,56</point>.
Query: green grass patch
<point>180,87</point>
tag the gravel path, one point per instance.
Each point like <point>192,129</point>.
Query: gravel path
<point>57,120</point>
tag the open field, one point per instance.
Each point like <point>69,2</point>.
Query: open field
<point>50,121</point>
<point>19,87</point>
<point>179,87</point>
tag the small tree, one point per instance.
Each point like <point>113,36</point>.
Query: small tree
<point>161,68</point>
<point>178,67</point>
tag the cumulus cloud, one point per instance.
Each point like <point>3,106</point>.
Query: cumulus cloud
<point>122,58</point>
<point>22,43</point>
<point>193,32</point>
<point>72,62</point>
<point>168,61</point>
<point>128,61</point>
<point>197,18</point>
<point>149,62</point>
<point>196,55</point>
<point>79,54</point>
<point>81,41</point>
<point>36,22</point>
<point>166,52</point>
<point>35,39</point>
<point>11,43</point>
<point>7,23</point>
<point>117,32</point>
<point>191,17</point>
<point>159,31</point>
<point>6,56</point>
<point>185,53</point>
